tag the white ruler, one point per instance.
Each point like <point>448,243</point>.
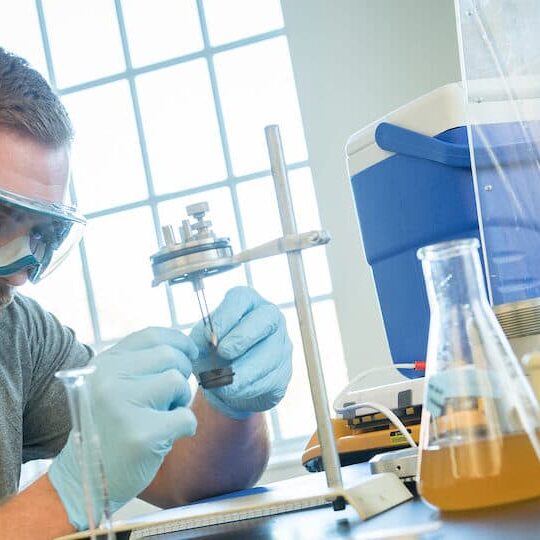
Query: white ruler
<point>368,495</point>
<point>230,516</point>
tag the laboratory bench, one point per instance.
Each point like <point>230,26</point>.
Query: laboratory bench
<point>515,521</point>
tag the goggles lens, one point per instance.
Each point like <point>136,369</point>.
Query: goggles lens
<point>49,236</point>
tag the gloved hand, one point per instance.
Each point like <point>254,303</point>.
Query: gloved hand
<point>253,336</point>
<point>140,395</point>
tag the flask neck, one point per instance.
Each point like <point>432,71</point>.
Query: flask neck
<point>453,276</point>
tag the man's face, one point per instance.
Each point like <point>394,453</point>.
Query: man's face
<point>34,170</point>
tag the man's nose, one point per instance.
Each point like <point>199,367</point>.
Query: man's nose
<point>16,280</point>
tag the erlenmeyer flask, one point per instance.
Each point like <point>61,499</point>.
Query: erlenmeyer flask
<point>480,435</point>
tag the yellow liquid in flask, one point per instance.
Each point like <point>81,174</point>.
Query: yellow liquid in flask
<point>480,474</point>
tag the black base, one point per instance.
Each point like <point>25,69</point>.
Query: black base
<point>214,378</point>
<point>339,504</point>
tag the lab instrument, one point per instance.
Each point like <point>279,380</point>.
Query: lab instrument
<point>372,420</point>
<point>403,463</point>
<point>179,262</point>
<point>480,433</point>
<point>199,253</point>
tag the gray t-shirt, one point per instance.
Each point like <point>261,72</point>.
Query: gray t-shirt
<point>34,415</point>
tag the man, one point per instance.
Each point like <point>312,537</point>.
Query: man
<point>154,444</point>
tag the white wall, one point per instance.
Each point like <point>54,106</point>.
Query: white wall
<point>354,61</point>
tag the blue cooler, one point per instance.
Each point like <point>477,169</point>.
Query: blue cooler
<point>413,186</point>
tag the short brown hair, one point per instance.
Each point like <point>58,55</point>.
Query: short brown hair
<point>28,104</point>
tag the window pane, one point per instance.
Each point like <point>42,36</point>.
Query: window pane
<point>304,199</point>
<point>271,279</point>
<point>224,224</point>
<point>20,33</point>
<point>180,127</point>
<point>256,88</point>
<point>119,247</point>
<point>161,29</point>
<point>296,416</point>
<point>84,39</point>
<point>307,218</point>
<point>238,19</point>
<point>261,224</point>
<point>259,210</point>
<point>64,295</point>
<point>107,162</point>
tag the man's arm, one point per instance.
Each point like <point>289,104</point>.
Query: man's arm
<point>231,446</point>
<point>36,513</point>
<point>224,455</point>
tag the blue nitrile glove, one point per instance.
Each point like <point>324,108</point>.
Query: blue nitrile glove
<point>253,336</point>
<point>140,395</point>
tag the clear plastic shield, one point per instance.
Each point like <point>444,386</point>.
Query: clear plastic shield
<point>500,59</point>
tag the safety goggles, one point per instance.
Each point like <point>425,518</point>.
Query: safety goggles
<point>35,235</point>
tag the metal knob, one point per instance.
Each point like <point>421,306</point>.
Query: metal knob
<point>202,227</point>
<point>168,235</point>
<point>197,210</point>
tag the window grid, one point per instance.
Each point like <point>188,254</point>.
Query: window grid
<point>223,135</point>
<point>82,249</point>
<point>230,182</point>
<point>142,142</point>
<point>153,200</point>
<point>104,343</point>
<point>133,71</point>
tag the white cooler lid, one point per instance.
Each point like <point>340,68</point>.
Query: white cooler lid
<point>444,109</point>
<point>430,114</point>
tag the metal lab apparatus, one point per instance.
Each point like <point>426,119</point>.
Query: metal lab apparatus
<point>200,254</point>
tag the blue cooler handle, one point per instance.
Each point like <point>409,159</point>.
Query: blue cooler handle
<point>405,141</point>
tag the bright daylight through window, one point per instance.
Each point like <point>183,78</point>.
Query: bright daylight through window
<point>169,106</point>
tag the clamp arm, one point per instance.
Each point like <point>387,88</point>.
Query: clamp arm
<point>285,244</point>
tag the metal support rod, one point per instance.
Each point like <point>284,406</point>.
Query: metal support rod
<point>305,316</point>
